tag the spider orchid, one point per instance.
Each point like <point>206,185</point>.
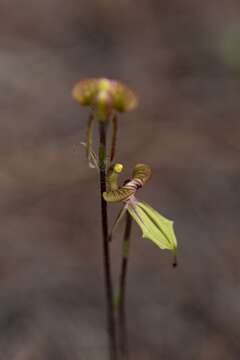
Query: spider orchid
<point>154,226</point>
<point>106,98</point>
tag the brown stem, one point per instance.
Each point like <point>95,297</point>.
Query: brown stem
<point>106,250</point>
<point>122,289</point>
<point>114,136</point>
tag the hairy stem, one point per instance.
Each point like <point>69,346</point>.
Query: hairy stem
<point>106,250</point>
<point>122,288</point>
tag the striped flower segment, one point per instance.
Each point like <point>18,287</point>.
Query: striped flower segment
<point>141,174</point>
<point>122,194</point>
<point>154,226</point>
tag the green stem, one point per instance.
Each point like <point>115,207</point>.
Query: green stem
<point>122,288</point>
<point>89,137</point>
<point>106,250</point>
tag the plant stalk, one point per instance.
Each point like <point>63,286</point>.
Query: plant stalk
<point>106,250</point>
<point>123,343</point>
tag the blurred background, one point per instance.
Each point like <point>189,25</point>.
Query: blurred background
<point>183,60</point>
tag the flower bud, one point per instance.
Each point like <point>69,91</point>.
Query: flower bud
<point>104,96</point>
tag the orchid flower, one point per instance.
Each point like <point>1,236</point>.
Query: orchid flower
<point>154,226</point>
<point>106,98</point>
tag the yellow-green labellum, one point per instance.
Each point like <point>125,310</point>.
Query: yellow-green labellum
<point>154,226</point>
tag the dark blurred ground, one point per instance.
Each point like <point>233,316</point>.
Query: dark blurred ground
<point>183,59</point>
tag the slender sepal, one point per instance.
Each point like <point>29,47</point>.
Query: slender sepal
<point>117,221</point>
<point>89,139</point>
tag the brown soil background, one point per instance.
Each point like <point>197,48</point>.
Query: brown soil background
<point>183,59</point>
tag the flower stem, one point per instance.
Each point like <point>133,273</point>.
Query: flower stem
<point>122,288</point>
<point>106,250</point>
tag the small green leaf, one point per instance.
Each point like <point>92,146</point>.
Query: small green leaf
<point>154,226</point>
